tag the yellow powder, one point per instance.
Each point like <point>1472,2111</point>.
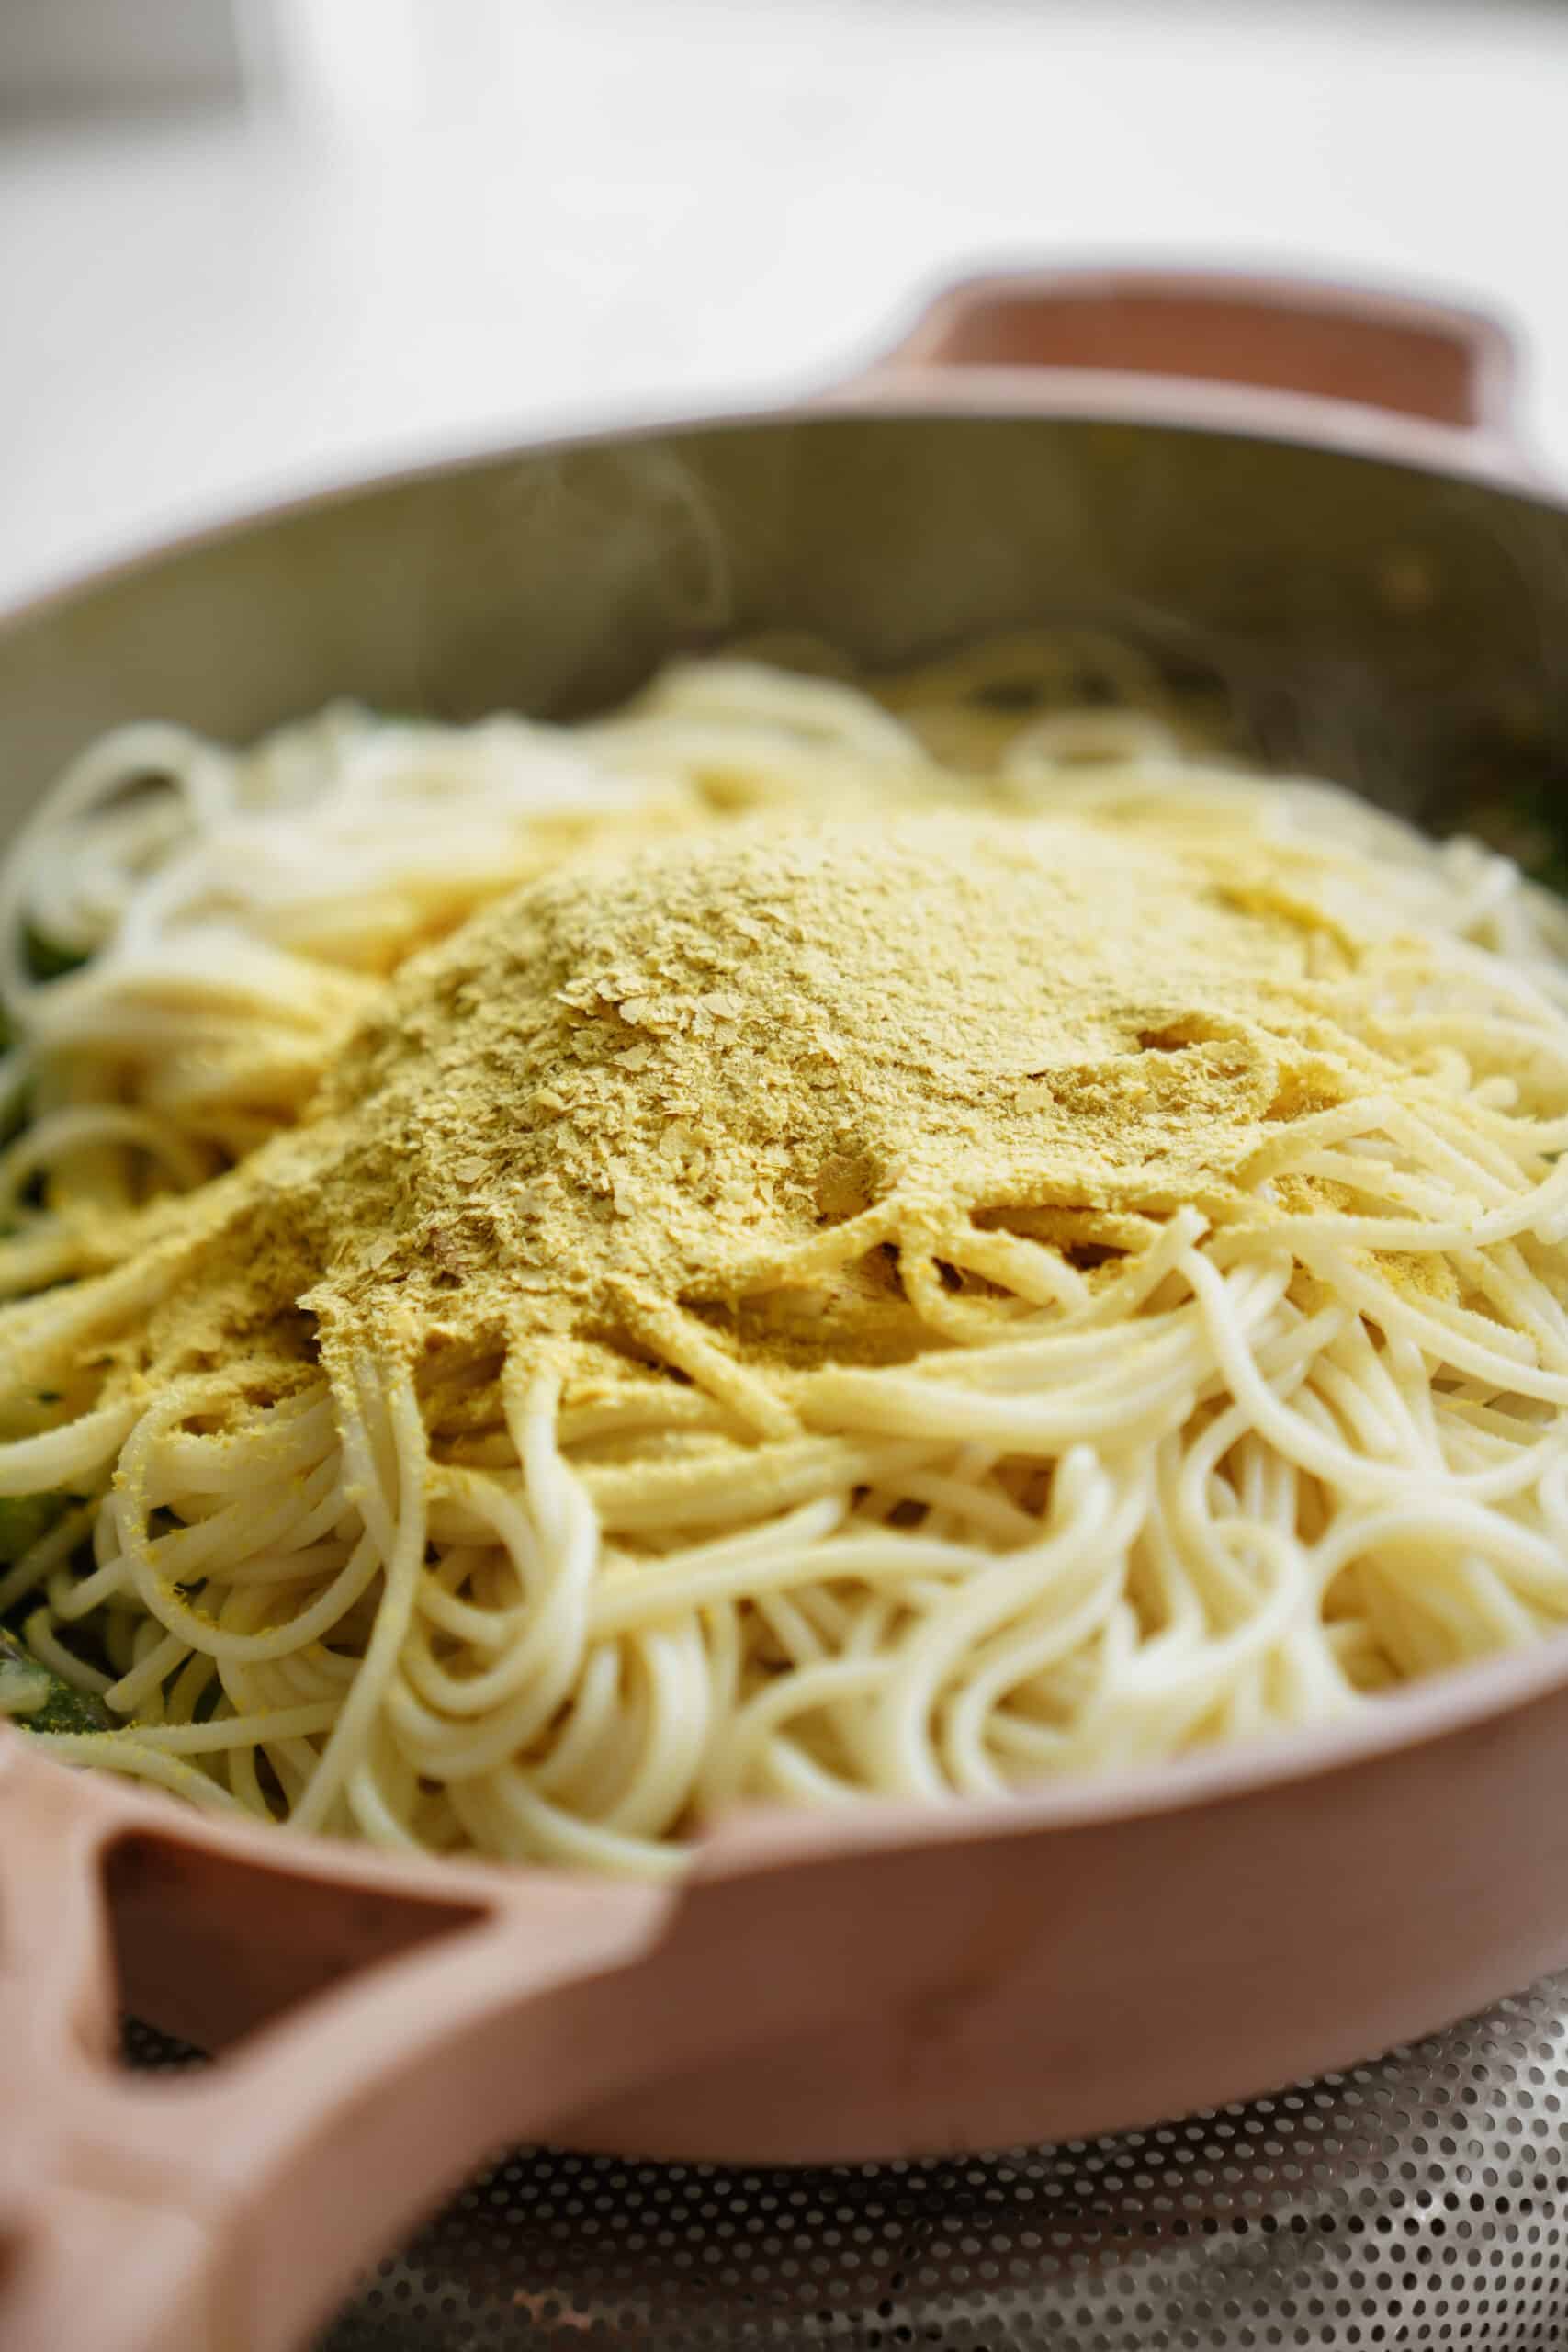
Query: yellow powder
<point>647,1082</point>
<point>1426,1274</point>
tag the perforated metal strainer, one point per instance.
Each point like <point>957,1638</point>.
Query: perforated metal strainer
<point>1419,2200</point>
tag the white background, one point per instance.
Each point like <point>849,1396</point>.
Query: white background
<point>457,217</point>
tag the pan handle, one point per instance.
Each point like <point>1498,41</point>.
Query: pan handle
<point>228,2209</point>
<point>1206,346</point>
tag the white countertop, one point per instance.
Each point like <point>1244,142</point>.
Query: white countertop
<point>468,215</point>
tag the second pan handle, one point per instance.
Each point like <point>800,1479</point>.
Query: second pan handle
<point>1205,346</point>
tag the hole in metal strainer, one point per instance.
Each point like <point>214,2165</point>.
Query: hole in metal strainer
<point>1421,2200</point>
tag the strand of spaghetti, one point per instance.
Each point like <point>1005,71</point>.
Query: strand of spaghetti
<point>569,1759</point>
<point>43,1250</point>
<point>1515,1293</point>
<point>785,1772</point>
<point>113,1751</point>
<point>40,1560</point>
<point>966,1500</point>
<point>792,1630</point>
<point>543,1638</point>
<point>507,1815</point>
<point>655,1404</point>
<point>88,1126</point>
<point>810,1523</point>
<point>307,1566</point>
<point>291,1431</point>
<point>401,1560</point>
<point>165,1604</point>
<point>231,1731</point>
<point>1355,1171</point>
<point>189,1690</point>
<point>44,1331</point>
<point>1399,1317</point>
<point>836,1246</point>
<point>969,1323</point>
<point>369,1449</point>
<point>660,1781</point>
<point>1287,1604</point>
<point>730,1768</point>
<point>669,1332</point>
<point>150,748</point>
<point>210,984</point>
<point>1024,1653</point>
<point>891,1405</point>
<point>623,1737</point>
<point>1067,737</point>
<point>1038,1275</point>
<point>745,1485</point>
<point>630,1601</point>
<point>1480,1165</point>
<point>488,1628</point>
<point>139,1691</point>
<point>1301,1443</point>
<point>186,1555</point>
<point>1360,1412</point>
<point>72,1596</point>
<point>1540,1212</point>
<point>1533,1560</point>
<point>1099,1335</point>
<point>41,1638</point>
<point>65,1457</point>
<point>374,1816</point>
<point>731,687</point>
<point>569,1538</point>
<point>244,1782</point>
<point>1081,1520</point>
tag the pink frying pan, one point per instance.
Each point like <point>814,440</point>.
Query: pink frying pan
<point>873,1982</point>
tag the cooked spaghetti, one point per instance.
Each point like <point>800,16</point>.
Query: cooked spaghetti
<point>798,1243</point>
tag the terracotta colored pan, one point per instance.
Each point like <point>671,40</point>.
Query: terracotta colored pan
<point>892,1980</point>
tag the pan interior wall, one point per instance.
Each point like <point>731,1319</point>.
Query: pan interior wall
<point>1390,629</point>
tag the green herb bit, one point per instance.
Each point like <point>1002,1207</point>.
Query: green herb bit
<point>37,1699</point>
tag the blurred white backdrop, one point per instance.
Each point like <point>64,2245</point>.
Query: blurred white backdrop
<point>440,221</point>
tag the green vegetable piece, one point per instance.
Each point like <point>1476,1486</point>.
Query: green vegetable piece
<point>37,1699</point>
<point>69,1709</point>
